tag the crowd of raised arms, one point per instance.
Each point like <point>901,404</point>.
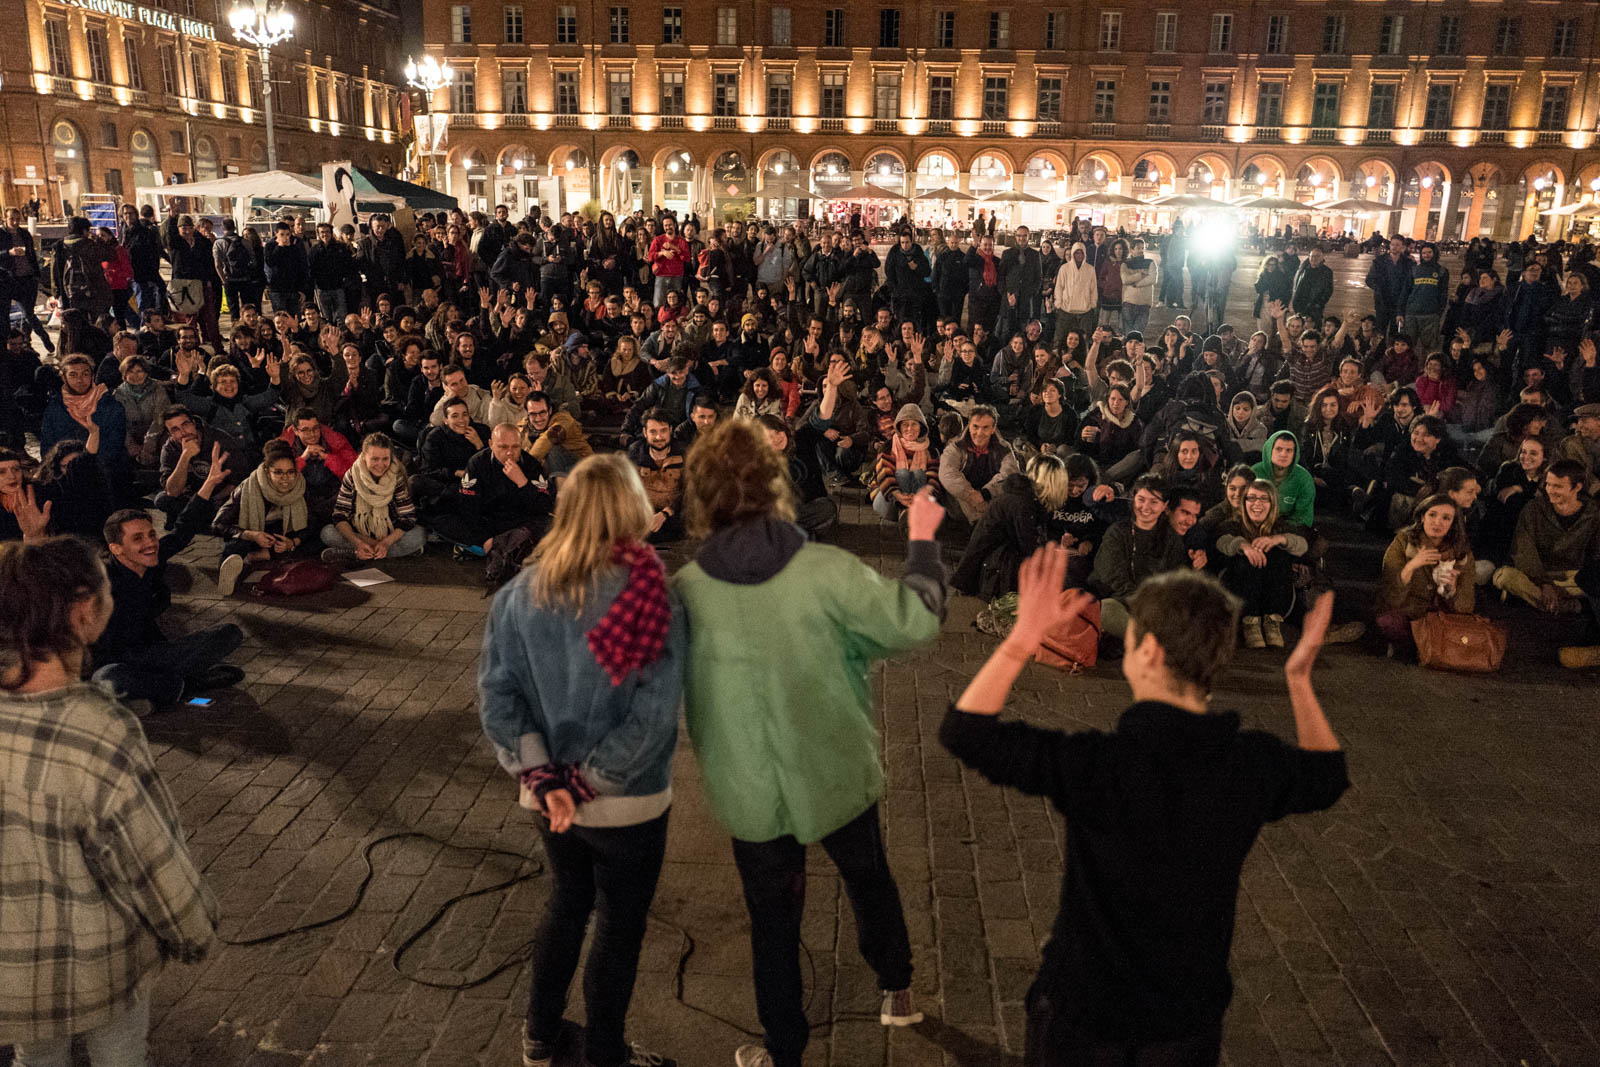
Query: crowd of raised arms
<point>454,390</point>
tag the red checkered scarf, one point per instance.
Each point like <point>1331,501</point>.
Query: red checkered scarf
<point>633,631</point>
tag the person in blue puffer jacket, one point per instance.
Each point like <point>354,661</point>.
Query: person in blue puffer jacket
<point>579,687</point>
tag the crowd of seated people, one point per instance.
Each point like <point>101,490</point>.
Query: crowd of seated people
<point>446,403</point>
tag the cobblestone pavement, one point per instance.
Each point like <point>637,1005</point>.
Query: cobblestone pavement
<point>1442,913</point>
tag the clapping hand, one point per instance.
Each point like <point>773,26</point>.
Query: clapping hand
<point>218,471</point>
<point>1586,349</point>
<point>1040,606</point>
<point>923,516</point>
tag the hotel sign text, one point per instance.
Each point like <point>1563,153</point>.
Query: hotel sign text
<point>161,20</point>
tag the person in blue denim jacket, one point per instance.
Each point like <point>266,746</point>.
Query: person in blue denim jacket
<point>579,687</point>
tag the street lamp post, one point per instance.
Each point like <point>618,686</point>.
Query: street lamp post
<point>262,26</point>
<point>429,76</point>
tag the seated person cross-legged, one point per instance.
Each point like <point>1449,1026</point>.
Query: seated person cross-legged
<point>502,493</point>
<point>1555,552</point>
<point>266,517</point>
<point>134,654</point>
<point>373,515</point>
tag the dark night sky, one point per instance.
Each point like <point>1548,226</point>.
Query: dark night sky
<point>410,28</point>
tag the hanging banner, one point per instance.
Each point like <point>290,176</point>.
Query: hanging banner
<point>339,192</point>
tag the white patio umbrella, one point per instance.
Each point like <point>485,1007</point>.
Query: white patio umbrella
<point>1271,203</point>
<point>1103,199</point>
<point>1013,196</point>
<point>1356,206</point>
<point>947,193</point>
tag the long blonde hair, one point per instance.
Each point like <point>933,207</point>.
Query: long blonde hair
<point>601,503</point>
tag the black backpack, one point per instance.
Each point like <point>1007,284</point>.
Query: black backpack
<point>77,283</point>
<point>241,263</point>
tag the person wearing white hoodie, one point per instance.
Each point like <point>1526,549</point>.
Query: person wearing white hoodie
<point>1077,295</point>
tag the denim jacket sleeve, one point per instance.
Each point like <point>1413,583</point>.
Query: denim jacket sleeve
<point>506,703</point>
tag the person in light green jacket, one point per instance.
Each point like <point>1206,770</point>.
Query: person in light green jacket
<point>782,634</point>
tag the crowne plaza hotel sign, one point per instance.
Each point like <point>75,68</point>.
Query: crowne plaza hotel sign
<point>149,16</point>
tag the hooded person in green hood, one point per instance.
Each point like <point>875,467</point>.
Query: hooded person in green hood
<point>1280,465</point>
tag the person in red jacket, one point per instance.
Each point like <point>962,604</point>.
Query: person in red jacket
<point>323,455</point>
<point>667,257</point>
<point>117,263</point>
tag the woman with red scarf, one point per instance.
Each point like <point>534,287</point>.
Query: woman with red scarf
<point>579,686</point>
<point>983,283</point>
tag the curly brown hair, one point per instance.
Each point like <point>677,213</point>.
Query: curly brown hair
<point>733,476</point>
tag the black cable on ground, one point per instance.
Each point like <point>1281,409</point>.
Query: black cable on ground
<point>519,955</point>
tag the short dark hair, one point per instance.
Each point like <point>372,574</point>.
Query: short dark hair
<point>676,364</point>
<point>1282,387</point>
<point>537,394</point>
<point>113,529</point>
<point>1185,492</point>
<point>452,369</point>
<point>174,412</point>
<point>1193,619</point>
<point>1151,481</point>
<point>1571,470</point>
<point>453,402</point>
<point>661,415</point>
<point>1082,466</point>
<point>703,400</point>
<point>302,414</point>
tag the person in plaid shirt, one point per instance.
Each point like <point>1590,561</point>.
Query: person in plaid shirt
<point>98,889</point>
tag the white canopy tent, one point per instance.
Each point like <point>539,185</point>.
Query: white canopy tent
<point>257,196</point>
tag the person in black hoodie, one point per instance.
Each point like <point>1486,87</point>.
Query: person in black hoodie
<point>1161,813</point>
<point>502,491</point>
<point>1016,524</point>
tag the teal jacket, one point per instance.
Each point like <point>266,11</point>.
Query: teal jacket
<point>777,695</point>
<point>1297,490</point>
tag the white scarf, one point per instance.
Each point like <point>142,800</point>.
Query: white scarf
<point>373,496</point>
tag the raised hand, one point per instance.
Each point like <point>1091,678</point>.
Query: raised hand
<point>33,520</point>
<point>1312,630</point>
<point>1040,605</point>
<point>923,516</point>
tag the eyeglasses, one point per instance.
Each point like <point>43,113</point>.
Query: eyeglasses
<point>1257,499</point>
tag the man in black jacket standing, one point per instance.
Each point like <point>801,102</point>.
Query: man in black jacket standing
<point>1161,813</point>
<point>1313,286</point>
<point>332,267</point>
<point>19,273</point>
<point>1021,283</point>
<point>143,243</point>
<point>381,256</point>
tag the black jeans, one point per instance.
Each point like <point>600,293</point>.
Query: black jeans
<point>1052,1042</point>
<point>1265,590</point>
<point>612,871</point>
<point>774,877</point>
<point>157,672</point>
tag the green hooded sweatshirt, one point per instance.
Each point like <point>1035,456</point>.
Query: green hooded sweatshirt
<point>1297,490</point>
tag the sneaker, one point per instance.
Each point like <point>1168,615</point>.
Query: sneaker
<point>228,574</point>
<point>752,1056</point>
<point>1272,630</point>
<point>334,557</point>
<point>1358,502</point>
<point>1251,624</point>
<point>898,1009</point>
<point>1345,633</point>
<point>1577,657</point>
<point>536,1053</point>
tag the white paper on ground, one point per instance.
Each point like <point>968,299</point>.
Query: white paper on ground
<point>369,576</point>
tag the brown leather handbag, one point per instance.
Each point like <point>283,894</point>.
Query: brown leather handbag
<point>1450,642</point>
<point>1075,646</point>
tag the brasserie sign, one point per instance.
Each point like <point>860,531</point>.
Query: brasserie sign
<point>161,20</point>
